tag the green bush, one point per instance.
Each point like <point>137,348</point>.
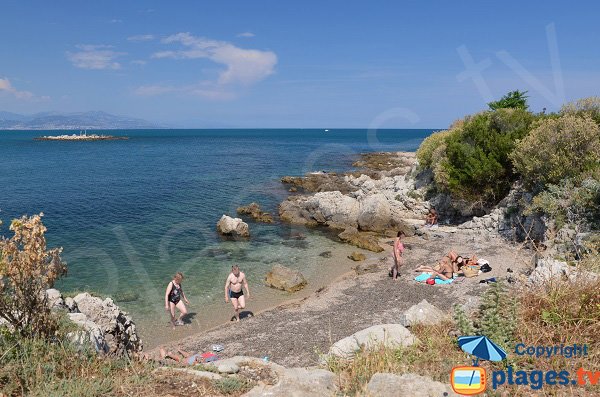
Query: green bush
<point>571,202</point>
<point>429,145</point>
<point>513,100</point>
<point>583,107</point>
<point>477,164</point>
<point>556,149</point>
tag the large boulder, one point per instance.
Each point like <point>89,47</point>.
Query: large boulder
<point>422,313</point>
<point>253,209</point>
<point>229,226</point>
<point>361,240</point>
<point>333,209</point>
<point>406,385</point>
<point>119,330</point>
<point>284,278</point>
<point>390,335</point>
<point>55,299</point>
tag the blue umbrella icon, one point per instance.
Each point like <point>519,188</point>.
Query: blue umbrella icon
<point>482,348</point>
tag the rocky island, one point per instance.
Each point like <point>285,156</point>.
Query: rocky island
<point>80,137</point>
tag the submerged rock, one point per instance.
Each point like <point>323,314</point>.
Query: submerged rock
<point>229,226</point>
<point>286,279</point>
<point>364,268</point>
<point>253,209</point>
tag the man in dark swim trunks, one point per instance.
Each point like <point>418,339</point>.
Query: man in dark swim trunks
<point>234,291</point>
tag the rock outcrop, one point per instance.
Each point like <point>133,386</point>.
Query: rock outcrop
<point>229,226</point>
<point>118,328</point>
<point>286,279</point>
<point>103,326</point>
<point>253,209</point>
<point>361,240</point>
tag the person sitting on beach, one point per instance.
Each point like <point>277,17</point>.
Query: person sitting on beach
<point>234,291</point>
<point>443,270</point>
<point>173,299</point>
<point>432,218</point>
<point>397,255</point>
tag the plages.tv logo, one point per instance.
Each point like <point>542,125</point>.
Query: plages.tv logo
<point>471,380</point>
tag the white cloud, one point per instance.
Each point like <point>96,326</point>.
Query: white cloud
<point>139,62</point>
<point>242,66</point>
<point>246,34</point>
<point>114,20</point>
<point>203,89</point>
<point>141,37</point>
<point>6,86</point>
<point>95,57</point>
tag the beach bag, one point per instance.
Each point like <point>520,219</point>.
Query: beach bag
<point>470,271</point>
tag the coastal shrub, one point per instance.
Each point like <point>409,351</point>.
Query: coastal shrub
<point>428,146</point>
<point>477,164</point>
<point>556,149</point>
<point>27,269</point>
<point>583,107</point>
<point>571,202</point>
<point>513,100</point>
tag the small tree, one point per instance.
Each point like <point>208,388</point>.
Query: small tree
<point>27,269</point>
<point>513,100</point>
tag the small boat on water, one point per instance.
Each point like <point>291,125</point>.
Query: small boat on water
<point>83,136</point>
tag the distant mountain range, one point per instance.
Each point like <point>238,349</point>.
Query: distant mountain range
<point>71,121</point>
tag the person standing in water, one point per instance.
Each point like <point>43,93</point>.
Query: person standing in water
<point>234,291</point>
<point>397,255</point>
<point>173,299</point>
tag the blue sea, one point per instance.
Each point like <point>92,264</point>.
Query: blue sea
<point>130,213</point>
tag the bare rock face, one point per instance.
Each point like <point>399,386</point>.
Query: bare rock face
<point>286,279</point>
<point>361,240</point>
<point>229,226</point>
<point>253,209</point>
<point>118,328</point>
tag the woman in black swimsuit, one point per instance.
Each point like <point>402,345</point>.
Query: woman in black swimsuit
<point>173,299</point>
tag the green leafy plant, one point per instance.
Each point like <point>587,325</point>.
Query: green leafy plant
<point>476,166</point>
<point>513,100</point>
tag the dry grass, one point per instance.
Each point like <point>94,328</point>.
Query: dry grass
<point>560,313</point>
<point>434,356</point>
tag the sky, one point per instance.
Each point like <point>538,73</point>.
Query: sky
<point>303,64</point>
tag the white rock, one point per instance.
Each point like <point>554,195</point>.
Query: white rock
<point>406,385</point>
<point>423,313</point>
<point>233,226</point>
<point>55,299</point>
<point>228,368</point>
<point>391,335</point>
<point>298,382</point>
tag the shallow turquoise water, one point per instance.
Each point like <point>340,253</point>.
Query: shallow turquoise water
<point>131,213</point>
